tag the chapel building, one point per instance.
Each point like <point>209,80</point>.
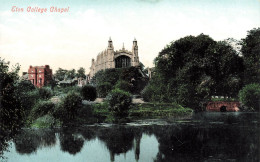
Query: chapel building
<point>109,58</point>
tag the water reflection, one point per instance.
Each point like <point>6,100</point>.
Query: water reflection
<point>218,137</point>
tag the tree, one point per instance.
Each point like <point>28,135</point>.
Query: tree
<point>250,51</point>
<point>89,92</point>
<point>194,68</point>
<point>250,96</point>
<point>119,102</point>
<point>10,112</point>
<point>81,73</point>
<point>72,103</point>
<point>60,74</point>
<point>71,74</point>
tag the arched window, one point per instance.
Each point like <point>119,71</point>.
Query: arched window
<point>122,61</point>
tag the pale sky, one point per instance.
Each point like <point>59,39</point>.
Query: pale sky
<point>70,40</point>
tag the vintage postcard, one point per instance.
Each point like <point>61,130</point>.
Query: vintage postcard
<point>129,80</point>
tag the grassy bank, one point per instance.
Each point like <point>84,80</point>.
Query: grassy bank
<point>97,113</point>
<point>158,110</point>
<point>146,110</point>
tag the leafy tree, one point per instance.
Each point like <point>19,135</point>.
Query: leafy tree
<point>60,74</point>
<point>89,92</point>
<point>71,74</point>
<point>27,95</point>
<point>119,102</point>
<point>250,51</point>
<point>45,93</point>
<point>103,89</point>
<point>70,106</point>
<point>81,73</point>
<point>250,96</point>
<point>194,68</point>
<point>123,85</point>
<point>42,108</point>
<point>10,112</point>
<point>132,75</point>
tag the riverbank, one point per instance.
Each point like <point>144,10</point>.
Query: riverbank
<point>92,113</point>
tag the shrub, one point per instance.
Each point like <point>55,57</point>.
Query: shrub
<point>71,104</point>
<point>24,86</point>
<point>89,92</point>
<point>119,102</point>
<point>42,108</point>
<point>45,121</point>
<point>27,101</point>
<point>45,93</point>
<point>103,89</point>
<point>147,93</point>
<point>85,111</point>
<point>123,85</point>
<point>250,96</point>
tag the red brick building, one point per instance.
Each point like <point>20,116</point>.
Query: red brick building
<point>40,75</point>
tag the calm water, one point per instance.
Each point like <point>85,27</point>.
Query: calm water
<point>205,137</point>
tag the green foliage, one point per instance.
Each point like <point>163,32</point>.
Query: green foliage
<point>250,96</point>
<point>250,51</point>
<point>132,75</point>
<point>10,112</point>
<point>60,74</point>
<point>85,112</point>
<point>153,110</point>
<point>119,102</point>
<point>100,108</point>
<point>26,95</point>
<point>123,85</point>
<point>109,75</point>
<point>69,107</point>
<point>70,74</point>
<point>45,121</point>
<point>61,91</point>
<point>45,93</point>
<point>81,73</point>
<point>24,86</point>
<point>191,69</point>
<point>89,92</point>
<point>103,89</point>
<point>42,108</point>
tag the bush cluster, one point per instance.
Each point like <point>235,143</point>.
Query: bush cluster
<point>119,102</point>
<point>69,107</point>
<point>45,93</point>
<point>250,96</point>
<point>103,89</point>
<point>42,108</point>
<point>89,92</point>
<point>123,85</point>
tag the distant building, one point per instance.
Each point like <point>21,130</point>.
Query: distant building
<point>109,58</point>
<point>40,75</point>
<point>82,82</point>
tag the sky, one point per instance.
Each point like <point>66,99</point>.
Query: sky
<point>71,39</point>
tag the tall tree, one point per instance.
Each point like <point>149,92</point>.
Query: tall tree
<point>81,72</point>
<point>251,55</point>
<point>71,74</point>
<point>60,74</point>
<point>194,68</point>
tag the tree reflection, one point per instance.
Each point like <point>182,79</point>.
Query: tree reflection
<point>118,140</point>
<point>28,141</point>
<point>191,143</point>
<point>71,141</point>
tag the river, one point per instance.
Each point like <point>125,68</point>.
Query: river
<point>209,136</point>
